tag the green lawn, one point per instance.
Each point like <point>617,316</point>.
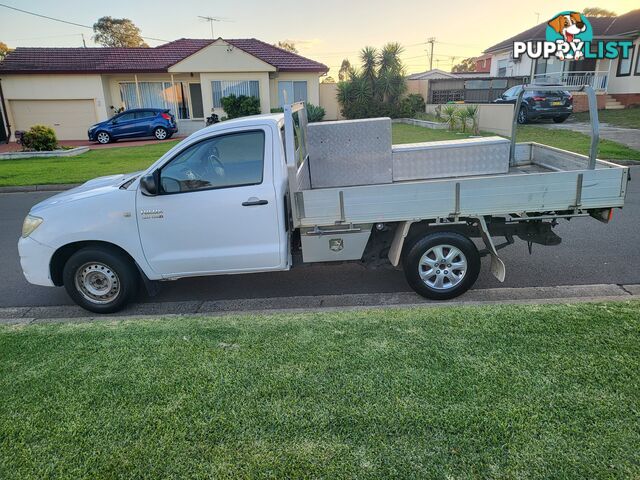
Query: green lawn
<point>403,133</point>
<point>629,117</point>
<point>575,142</point>
<point>94,163</point>
<point>478,392</point>
<point>128,159</point>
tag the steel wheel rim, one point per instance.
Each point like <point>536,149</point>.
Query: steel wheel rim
<point>161,134</point>
<point>442,267</point>
<point>97,283</point>
<point>103,137</point>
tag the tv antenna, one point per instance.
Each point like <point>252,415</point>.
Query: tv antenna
<point>214,19</point>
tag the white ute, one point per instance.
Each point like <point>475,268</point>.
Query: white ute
<point>264,193</point>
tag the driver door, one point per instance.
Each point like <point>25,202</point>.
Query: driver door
<point>216,211</point>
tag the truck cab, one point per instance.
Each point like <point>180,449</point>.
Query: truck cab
<point>213,204</point>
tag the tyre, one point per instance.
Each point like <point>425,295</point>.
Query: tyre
<point>560,118</point>
<point>442,265</point>
<point>103,137</point>
<point>160,133</point>
<point>101,280</point>
<point>523,116</point>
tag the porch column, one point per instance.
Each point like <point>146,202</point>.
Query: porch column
<point>135,77</point>
<point>175,98</point>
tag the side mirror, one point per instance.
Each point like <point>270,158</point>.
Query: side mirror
<point>150,184</point>
<point>113,122</point>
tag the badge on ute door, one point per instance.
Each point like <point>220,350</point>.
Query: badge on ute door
<point>336,244</point>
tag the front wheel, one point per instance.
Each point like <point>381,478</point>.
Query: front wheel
<point>442,265</point>
<point>160,133</point>
<point>101,280</point>
<point>103,137</point>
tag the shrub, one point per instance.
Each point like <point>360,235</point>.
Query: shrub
<point>39,138</point>
<point>412,104</point>
<point>315,113</point>
<point>240,106</point>
<point>449,116</point>
<point>473,113</point>
<point>463,115</point>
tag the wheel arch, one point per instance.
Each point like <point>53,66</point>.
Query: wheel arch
<point>408,233</point>
<point>62,255</point>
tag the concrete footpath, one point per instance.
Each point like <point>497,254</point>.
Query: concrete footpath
<point>529,295</point>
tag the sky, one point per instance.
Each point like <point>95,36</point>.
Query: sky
<point>324,30</point>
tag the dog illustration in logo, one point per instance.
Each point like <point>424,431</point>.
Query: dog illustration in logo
<point>568,25</point>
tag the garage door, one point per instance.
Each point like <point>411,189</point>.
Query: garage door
<point>69,118</point>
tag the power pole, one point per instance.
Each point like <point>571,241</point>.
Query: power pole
<point>431,40</point>
<point>84,44</point>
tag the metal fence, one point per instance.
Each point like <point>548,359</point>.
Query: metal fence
<point>470,90</point>
<point>596,79</point>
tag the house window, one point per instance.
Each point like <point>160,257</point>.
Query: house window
<point>502,68</point>
<point>295,92</point>
<point>156,95</point>
<point>638,62</point>
<point>624,64</point>
<point>224,88</point>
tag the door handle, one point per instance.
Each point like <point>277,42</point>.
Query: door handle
<point>253,202</point>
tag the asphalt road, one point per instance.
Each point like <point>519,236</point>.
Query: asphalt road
<point>590,253</point>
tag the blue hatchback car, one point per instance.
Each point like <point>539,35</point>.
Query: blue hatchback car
<point>138,122</point>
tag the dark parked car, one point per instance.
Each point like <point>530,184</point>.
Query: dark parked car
<point>139,122</point>
<point>557,105</point>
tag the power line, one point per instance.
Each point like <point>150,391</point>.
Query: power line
<point>65,21</point>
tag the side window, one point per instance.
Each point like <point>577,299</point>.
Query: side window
<point>125,117</point>
<point>145,114</point>
<point>226,161</point>
<point>512,92</point>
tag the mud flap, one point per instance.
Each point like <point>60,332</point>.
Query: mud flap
<point>498,268</point>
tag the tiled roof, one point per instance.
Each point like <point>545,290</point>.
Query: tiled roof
<point>629,23</point>
<point>142,60</point>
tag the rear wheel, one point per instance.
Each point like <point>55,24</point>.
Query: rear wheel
<point>560,118</point>
<point>523,116</point>
<point>160,133</point>
<point>103,137</point>
<point>101,280</point>
<point>442,265</point>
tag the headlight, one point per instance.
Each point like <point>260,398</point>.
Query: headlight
<point>30,224</point>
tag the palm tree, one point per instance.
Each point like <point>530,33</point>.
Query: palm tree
<point>449,116</point>
<point>375,89</point>
<point>369,59</point>
<point>389,57</point>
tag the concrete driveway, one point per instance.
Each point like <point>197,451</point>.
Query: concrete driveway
<point>591,253</point>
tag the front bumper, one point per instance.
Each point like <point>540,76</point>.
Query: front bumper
<point>35,259</point>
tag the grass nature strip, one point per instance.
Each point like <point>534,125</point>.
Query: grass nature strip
<point>473,392</point>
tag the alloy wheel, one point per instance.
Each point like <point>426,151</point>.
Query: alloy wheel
<point>442,267</point>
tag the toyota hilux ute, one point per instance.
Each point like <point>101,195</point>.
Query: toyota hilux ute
<point>268,192</point>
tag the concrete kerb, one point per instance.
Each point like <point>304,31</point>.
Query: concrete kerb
<point>325,303</point>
